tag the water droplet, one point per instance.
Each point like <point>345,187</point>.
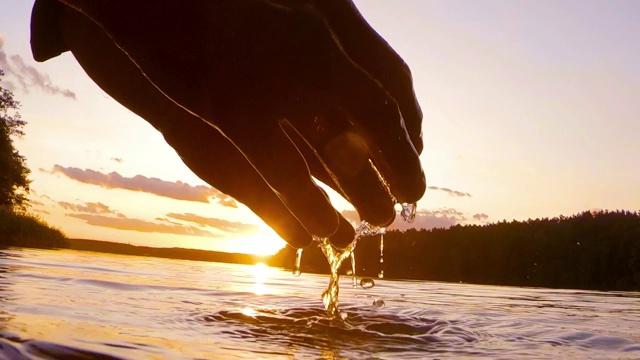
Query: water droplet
<point>408,212</point>
<point>343,315</point>
<point>367,283</point>
<point>354,278</point>
<point>378,303</point>
<point>381,274</point>
<point>381,248</point>
<point>349,272</point>
<point>296,266</point>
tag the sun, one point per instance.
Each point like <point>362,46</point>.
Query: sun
<point>262,242</point>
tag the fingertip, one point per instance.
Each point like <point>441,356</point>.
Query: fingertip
<point>383,221</point>
<point>412,188</point>
<point>344,235</point>
<point>299,242</point>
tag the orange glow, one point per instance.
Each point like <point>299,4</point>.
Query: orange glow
<point>261,274</point>
<point>264,242</point>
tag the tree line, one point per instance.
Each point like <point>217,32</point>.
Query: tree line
<point>590,250</point>
<point>17,226</point>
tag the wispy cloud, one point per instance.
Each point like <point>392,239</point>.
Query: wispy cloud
<point>90,207</point>
<point>99,214</point>
<point>26,77</point>
<point>124,223</point>
<point>449,191</point>
<point>175,190</point>
<point>117,159</point>
<point>220,224</point>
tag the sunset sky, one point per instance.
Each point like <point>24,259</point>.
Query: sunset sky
<point>531,109</point>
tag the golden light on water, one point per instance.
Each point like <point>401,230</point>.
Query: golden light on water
<point>249,312</point>
<point>261,275</point>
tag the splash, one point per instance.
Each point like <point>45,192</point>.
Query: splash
<point>335,258</point>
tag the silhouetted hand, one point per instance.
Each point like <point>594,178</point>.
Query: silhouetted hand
<point>257,96</point>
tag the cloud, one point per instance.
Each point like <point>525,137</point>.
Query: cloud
<point>174,190</point>
<point>480,217</point>
<point>168,221</point>
<point>90,207</point>
<point>124,223</point>
<point>220,224</point>
<point>116,159</point>
<point>449,191</point>
<point>27,76</point>
<point>430,219</point>
<point>425,219</point>
<point>99,214</point>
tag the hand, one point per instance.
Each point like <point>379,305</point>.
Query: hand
<point>257,96</point>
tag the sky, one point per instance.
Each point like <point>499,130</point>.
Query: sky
<point>531,110</point>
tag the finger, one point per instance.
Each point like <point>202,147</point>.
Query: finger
<point>218,162</point>
<point>345,234</point>
<point>340,158</point>
<point>204,150</point>
<point>374,55</point>
<point>375,116</point>
<point>278,161</point>
<point>377,119</point>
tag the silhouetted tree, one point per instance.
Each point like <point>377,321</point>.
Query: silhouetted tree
<point>14,184</point>
<point>590,250</point>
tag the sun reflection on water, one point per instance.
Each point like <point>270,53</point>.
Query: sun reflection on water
<point>261,275</point>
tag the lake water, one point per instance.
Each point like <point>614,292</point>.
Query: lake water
<point>71,304</point>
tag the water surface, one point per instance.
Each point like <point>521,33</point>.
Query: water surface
<point>66,304</point>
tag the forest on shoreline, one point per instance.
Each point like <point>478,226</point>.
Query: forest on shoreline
<point>25,230</point>
<point>168,253</point>
<point>590,250</point>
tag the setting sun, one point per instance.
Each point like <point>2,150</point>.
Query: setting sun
<point>263,242</point>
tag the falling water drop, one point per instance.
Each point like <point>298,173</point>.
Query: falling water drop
<point>381,248</point>
<point>378,303</point>
<point>296,266</point>
<point>408,212</point>
<point>381,274</point>
<point>354,278</point>
<point>367,283</point>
